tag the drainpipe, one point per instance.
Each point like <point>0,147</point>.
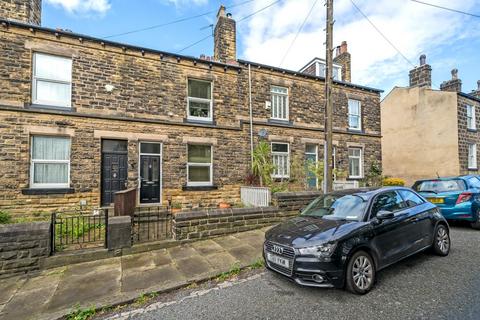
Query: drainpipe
<point>251,116</point>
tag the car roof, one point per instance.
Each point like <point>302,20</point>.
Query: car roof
<point>366,192</point>
<point>449,178</point>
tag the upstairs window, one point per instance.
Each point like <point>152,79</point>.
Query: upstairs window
<point>336,74</point>
<point>471,118</point>
<point>199,166</point>
<point>52,80</point>
<point>281,160</point>
<point>279,103</point>
<point>472,156</point>
<point>50,162</point>
<point>354,115</point>
<point>355,163</point>
<point>199,100</point>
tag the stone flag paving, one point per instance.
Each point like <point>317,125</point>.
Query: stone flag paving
<point>55,292</point>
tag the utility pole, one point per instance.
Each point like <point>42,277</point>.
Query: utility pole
<point>328,167</point>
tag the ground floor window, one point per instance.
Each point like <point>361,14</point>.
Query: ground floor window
<point>311,158</point>
<point>281,160</point>
<point>50,162</point>
<point>472,156</point>
<point>199,166</point>
<point>355,165</point>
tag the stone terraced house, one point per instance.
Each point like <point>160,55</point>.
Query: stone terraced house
<point>82,117</point>
<point>429,132</point>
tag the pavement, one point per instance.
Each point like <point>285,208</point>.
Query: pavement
<point>423,286</point>
<point>55,292</point>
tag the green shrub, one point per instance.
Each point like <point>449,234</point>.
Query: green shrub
<point>393,182</point>
<point>5,217</point>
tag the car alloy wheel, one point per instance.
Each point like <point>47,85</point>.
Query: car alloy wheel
<point>476,223</point>
<point>362,272</point>
<point>443,240</point>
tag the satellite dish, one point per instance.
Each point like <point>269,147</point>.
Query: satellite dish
<point>262,133</point>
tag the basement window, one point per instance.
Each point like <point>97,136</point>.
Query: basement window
<point>199,105</point>
<point>471,119</point>
<point>199,166</point>
<point>52,80</point>
<point>50,162</point>
<point>281,160</point>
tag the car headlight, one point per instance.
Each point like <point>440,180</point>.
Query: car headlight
<point>323,250</point>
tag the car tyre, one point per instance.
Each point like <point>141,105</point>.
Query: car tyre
<point>476,223</point>
<point>441,241</point>
<point>361,273</point>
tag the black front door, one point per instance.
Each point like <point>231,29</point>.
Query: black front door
<point>114,169</point>
<point>149,179</point>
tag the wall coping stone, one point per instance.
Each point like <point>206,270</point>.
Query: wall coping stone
<point>296,194</point>
<point>21,228</point>
<point>211,213</point>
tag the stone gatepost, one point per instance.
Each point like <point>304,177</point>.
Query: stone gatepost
<point>119,233</point>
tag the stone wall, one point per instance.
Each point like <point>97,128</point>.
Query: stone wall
<point>210,223</point>
<point>22,247</point>
<point>467,136</point>
<point>294,201</point>
<point>26,11</point>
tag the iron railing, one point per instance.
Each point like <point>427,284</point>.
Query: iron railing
<point>151,224</point>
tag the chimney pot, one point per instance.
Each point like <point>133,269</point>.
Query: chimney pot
<point>343,47</point>
<point>423,59</point>
<point>478,85</point>
<point>221,12</point>
<point>454,74</point>
<point>229,15</point>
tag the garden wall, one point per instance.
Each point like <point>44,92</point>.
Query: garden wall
<point>22,247</point>
<point>294,201</point>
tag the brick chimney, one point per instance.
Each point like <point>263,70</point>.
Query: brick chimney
<point>343,58</point>
<point>454,84</point>
<point>25,11</point>
<point>476,93</point>
<point>225,42</point>
<point>421,76</point>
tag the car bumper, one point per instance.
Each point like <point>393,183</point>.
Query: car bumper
<point>311,272</point>
<point>458,212</point>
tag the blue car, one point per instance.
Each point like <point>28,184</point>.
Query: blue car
<point>458,198</point>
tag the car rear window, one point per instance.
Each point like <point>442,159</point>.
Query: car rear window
<point>474,182</point>
<point>439,185</point>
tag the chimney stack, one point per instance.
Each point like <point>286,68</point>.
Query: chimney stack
<point>476,93</point>
<point>343,58</point>
<point>421,76</point>
<point>25,11</point>
<point>225,42</point>
<point>454,84</point>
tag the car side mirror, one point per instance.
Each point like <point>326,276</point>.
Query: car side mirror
<point>384,215</point>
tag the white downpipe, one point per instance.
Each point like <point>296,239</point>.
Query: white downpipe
<point>251,115</point>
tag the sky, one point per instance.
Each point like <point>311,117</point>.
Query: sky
<point>449,39</point>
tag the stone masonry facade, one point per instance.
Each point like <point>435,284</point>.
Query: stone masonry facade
<point>467,136</point>
<point>148,103</point>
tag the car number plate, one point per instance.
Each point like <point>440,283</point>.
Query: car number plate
<point>436,200</point>
<point>278,260</point>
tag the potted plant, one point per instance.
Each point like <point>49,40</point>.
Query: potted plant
<point>224,205</point>
<point>176,207</point>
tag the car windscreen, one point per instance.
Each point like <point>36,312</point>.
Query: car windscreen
<point>437,186</point>
<point>337,207</point>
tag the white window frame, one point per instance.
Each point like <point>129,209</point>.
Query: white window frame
<point>140,154</point>
<point>275,111</point>
<point>35,79</point>
<point>359,115</point>
<point>278,153</point>
<point>322,69</point>
<point>34,185</point>
<point>472,156</point>
<point>196,164</point>
<point>360,159</point>
<point>471,120</point>
<point>201,100</point>
<point>316,158</point>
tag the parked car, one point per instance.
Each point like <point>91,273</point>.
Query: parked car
<point>458,198</point>
<point>344,238</point>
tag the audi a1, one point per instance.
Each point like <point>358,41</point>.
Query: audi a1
<point>344,238</point>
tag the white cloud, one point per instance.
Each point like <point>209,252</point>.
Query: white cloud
<point>412,27</point>
<point>83,6</point>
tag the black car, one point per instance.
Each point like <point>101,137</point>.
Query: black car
<point>342,239</point>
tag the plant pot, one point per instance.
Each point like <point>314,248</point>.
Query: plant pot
<point>175,210</point>
<point>224,205</point>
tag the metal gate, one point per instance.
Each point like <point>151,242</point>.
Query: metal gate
<point>151,224</point>
<point>73,231</point>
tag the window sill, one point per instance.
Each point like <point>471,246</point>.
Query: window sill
<point>472,169</point>
<point>355,130</point>
<point>199,188</point>
<point>46,191</point>
<point>354,178</point>
<point>199,121</point>
<point>280,121</point>
<point>472,129</point>
<point>46,106</point>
